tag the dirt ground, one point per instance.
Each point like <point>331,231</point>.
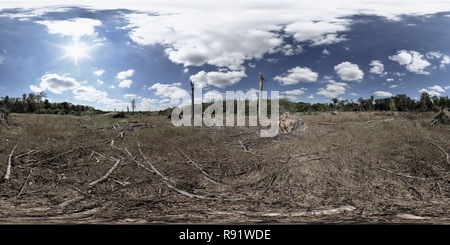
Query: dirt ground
<point>143,170</point>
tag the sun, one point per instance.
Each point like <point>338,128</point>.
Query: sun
<point>76,51</point>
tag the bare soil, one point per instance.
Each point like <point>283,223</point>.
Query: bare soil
<point>356,168</point>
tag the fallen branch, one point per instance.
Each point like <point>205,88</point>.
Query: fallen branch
<point>51,158</point>
<point>245,149</point>
<point>321,212</point>
<point>404,175</point>
<point>106,175</point>
<point>119,135</point>
<point>24,184</point>
<point>448,162</point>
<point>8,168</point>
<point>137,162</point>
<point>176,189</point>
<point>154,169</point>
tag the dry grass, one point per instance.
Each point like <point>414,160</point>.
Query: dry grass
<point>379,167</point>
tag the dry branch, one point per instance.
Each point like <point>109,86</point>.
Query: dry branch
<point>154,169</point>
<point>24,184</point>
<point>404,175</point>
<point>176,189</point>
<point>106,175</point>
<point>137,162</point>
<point>321,212</point>
<point>8,168</point>
<point>119,135</point>
<point>448,162</point>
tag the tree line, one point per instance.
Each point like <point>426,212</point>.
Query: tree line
<point>37,103</point>
<point>400,102</point>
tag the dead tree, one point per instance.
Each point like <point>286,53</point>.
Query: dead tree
<point>261,81</point>
<point>192,96</point>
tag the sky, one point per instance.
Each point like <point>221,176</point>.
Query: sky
<point>105,53</point>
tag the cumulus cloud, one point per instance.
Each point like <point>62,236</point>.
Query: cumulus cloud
<point>318,32</point>
<point>287,49</point>
<point>325,52</point>
<point>398,74</point>
<point>349,72</point>
<point>99,81</point>
<point>378,68</point>
<point>353,94</point>
<point>430,92</point>
<point>111,102</point>
<point>89,93</point>
<point>125,83</point>
<point>296,75</point>
<point>413,61</point>
<point>393,86</point>
<point>99,72</point>
<point>311,96</point>
<point>124,74</point>
<point>55,83</point>
<point>218,79</point>
<point>333,90</point>
<point>74,27</point>
<point>436,88</point>
<point>445,60</point>
<point>382,94</point>
<point>433,55</point>
<point>170,90</point>
<point>390,79</point>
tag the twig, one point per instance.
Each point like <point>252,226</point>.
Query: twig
<point>80,191</point>
<point>106,175</point>
<point>448,162</point>
<point>137,162</point>
<point>51,158</point>
<point>8,168</point>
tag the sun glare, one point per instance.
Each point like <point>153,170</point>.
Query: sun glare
<point>76,51</point>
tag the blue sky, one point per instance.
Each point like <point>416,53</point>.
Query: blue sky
<point>103,54</point>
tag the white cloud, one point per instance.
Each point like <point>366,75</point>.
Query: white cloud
<point>130,96</point>
<point>99,81</point>
<point>251,65</point>
<point>430,92</point>
<point>124,74</point>
<point>287,49</point>
<point>393,86</point>
<point>436,88</point>
<point>390,79</point>
<point>333,90</point>
<point>296,91</point>
<point>353,94</point>
<point>445,60</point>
<point>170,91</point>
<point>35,89</point>
<point>56,84</point>
<point>349,72</point>
<point>319,32</point>
<point>186,70</point>
<point>111,102</point>
<point>296,75</point>
<point>433,55</point>
<point>164,101</point>
<point>89,93</point>
<point>328,77</point>
<point>99,72</point>
<point>112,86</point>
<point>125,83</point>
<point>325,52</point>
<point>382,94</point>
<point>412,60</point>
<point>217,79</point>
<point>311,96</point>
<point>398,74</point>
<point>378,68</point>
<point>74,27</point>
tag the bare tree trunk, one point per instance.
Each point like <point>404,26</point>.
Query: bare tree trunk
<point>261,80</point>
<point>192,95</point>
